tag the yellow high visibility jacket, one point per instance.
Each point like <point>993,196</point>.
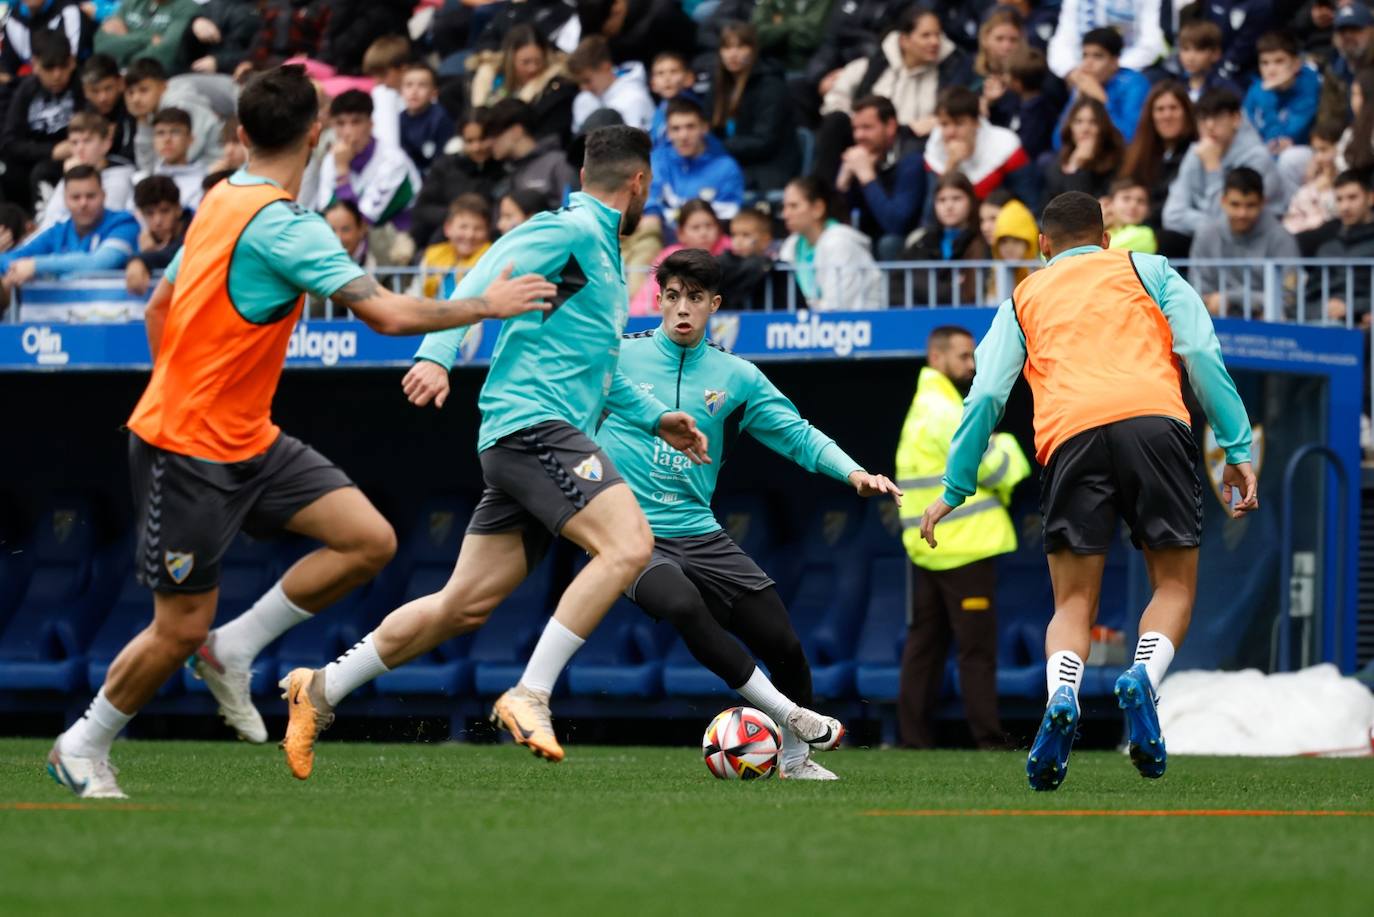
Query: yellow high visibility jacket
<point>979,529</point>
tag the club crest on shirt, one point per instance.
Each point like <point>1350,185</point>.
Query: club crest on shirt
<point>714,400</point>
<point>179,565</point>
<point>589,469</point>
<point>471,343</point>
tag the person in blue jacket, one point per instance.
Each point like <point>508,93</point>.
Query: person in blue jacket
<point>1100,76</point>
<point>94,239</point>
<point>1282,102</point>
<point>693,164</point>
<point>698,579</point>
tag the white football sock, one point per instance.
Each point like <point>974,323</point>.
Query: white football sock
<point>1064,668</point>
<point>555,647</point>
<point>1156,652</point>
<point>760,693</point>
<point>239,642</point>
<point>93,734</point>
<point>353,669</point>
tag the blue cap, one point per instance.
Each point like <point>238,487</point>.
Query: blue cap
<point>1354,16</point>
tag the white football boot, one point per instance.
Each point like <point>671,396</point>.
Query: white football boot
<point>233,689</point>
<point>820,732</point>
<point>88,778</point>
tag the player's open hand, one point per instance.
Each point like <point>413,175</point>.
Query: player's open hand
<point>426,382</point>
<point>679,430</point>
<point>933,514</point>
<point>871,485</point>
<point>507,296</point>
<point>1239,480</point>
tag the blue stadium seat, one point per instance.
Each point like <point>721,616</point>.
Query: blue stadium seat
<point>683,676</point>
<point>503,645</point>
<point>1021,659</point>
<point>747,520</point>
<point>424,564</point>
<point>621,659</point>
<point>878,656</point>
<point>72,584</point>
<point>131,613</point>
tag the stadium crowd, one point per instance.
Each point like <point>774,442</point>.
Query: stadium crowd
<point>829,135</point>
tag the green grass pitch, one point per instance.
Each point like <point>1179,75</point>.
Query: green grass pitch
<point>220,828</point>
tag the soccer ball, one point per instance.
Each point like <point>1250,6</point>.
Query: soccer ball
<point>742,744</point>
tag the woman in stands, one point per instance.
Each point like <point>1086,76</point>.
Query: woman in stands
<point>751,112</point>
<point>1090,152</point>
<point>530,69</point>
<point>999,37</point>
<point>1165,132</point>
<point>833,262</point>
<point>697,227</point>
<point>954,236</point>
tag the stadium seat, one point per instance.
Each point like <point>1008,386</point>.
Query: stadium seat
<point>878,655</point>
<point>1021,659</point>
<point>621,659</point>
<point>131,613</point>
<point>71,586</point>
<point>503,645</point>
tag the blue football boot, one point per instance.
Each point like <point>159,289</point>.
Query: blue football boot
<point>1048,763</point>
<point>1135,695</point>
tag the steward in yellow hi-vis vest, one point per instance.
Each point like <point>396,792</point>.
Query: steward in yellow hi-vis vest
<point>954,587</point>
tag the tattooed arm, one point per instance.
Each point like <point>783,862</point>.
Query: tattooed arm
<point>395,313</point>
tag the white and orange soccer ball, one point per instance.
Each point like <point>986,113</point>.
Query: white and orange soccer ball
<point>742,744</point>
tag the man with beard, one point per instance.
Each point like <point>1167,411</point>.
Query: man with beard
<point>954,588</point>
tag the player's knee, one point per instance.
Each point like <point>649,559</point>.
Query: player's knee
<point>683,611</point>
<point>632,553</point>
<point>181,637</point>
<point>375,548</point>
<point>463,614</point>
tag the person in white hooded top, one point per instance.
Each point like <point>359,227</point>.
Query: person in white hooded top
<point>623,89</point>
<point>832,262</point>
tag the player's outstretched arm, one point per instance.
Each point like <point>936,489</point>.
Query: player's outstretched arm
<point>873,485</point>
<point>395,313</point>
<point>155,315</point>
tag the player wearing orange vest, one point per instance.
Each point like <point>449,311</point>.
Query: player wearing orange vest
<point>1101,336</point>
<point>206,459</point>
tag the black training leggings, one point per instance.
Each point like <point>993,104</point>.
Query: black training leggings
<point>758,618</point>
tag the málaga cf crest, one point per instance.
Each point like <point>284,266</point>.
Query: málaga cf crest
<point>714,400</point>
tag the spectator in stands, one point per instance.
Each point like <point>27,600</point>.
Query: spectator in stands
<point>990,156</point>
<point>287,29</point>
<point>515,208</point>
<point>1354,238</point>
<point>147,28</point>
<point>1090,152</point>
<point>670,76</point>
<point>91,137</point>
<point>1356,149</point>
<point>1140,36</point>
<point>425,126</point>
<point>15,226</point>
<point>355,25</point>
<point>172,143</point>
<point>158,200</point>
<point>1038,101</point>
<point>988,210</point>
<point>532,70</point>
<point>636,30</point>
<point>1354,42</point>
<point>1101,77</point>
<point>1015,237</point>
<point>751,111</point>
<point>746,267</point>
<point>1313,26</point>
<point>1225,142</point>
<point>533,165</point>
<point>698,227</point>
<point>604,85</point>
<point>1163,136</point>
<point>102,84</point>
<point>470,170</point>
<point>344,217</point>
<point>851,33</point>
<point>1000,35</point>
<point>1247,231</point>
<point>233,154</point>
<point>148,90</point>
<point>376,176</point>
<point>690,167</point>
<point>1282,102</point>
<point>221,36</point>
<point>883,176</point>
<point>467,236</point>
<point>28,16</point>
<point>1242,22</point>
<point>1314,203</point>
<point>1126,214</point>
<point>1199,58</point>
<point>790,31</point>
<point>34,143</point>
<point>953,235</point>
<point>94,239</point>
<point>832,263</point>
<point>384,62</point>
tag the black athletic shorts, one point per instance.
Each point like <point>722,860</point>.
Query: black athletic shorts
<point>189,510</point>
<point>713,563</point>
<point>1142,470</point>
<point>536,480</point>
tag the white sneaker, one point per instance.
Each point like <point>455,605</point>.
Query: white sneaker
<point>88,778</point>
<point>233,689</point>
<point>820,732</point>
<point>806,769</point>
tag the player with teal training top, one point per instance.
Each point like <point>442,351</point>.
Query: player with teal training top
<point>550,380</point>
<point>699,580</point>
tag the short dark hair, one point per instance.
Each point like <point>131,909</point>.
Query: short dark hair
<point>880,105</point>
<point>82,172</point>
<point>277,108</point>
<point>15,219</point>
<point>506,114</point>
<point>1352,177</point>
<point>1072,217</point>
<point>1028,67</point>
<point>939,338</point>
<point>471,203</point>
<point>1244,180</point>
<point>695,268</point>
<point>351,102</point>
<point>614,154</point>
<point>527,200</point>
<point>754,215</point>
<point>173,115</point>
<point>1329,129</point>
<point>1108,40</point>
<point>348,207</point>
<point>670,54</point>
<point>681,105</point>
<point>1217,101</point>
<point>421,65</point>
<point>957,102</point>
<point>1201,35</point>
<point>813,188</point>
<point>99,67</point>
<point>1126,183</point>
<point>50,49</point>
<point>89,122</point>
<point>1283,41</point>
<point>154,190</point>
<point>590,54</point>
<point>214,178</point>
<point>143,69</point>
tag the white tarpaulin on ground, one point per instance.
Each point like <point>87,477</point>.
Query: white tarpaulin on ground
<point>1315,711</point>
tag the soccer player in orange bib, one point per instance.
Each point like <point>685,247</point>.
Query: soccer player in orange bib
<point>1101,336</point>
<point>205,458</point>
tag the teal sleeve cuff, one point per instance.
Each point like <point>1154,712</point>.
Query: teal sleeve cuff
<point>834,462</point>
<point>441,347</point>
<point>952,499</point>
